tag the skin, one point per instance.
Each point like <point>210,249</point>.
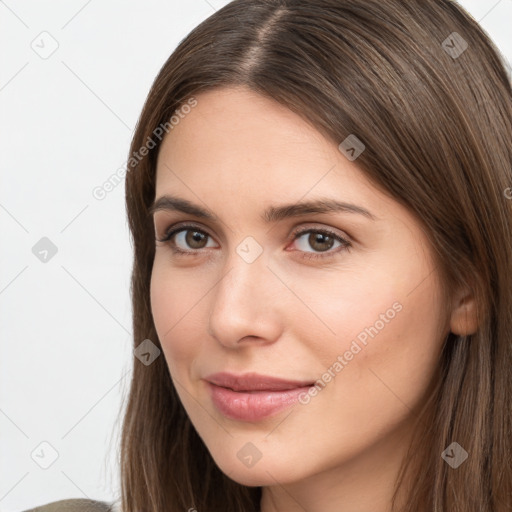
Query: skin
<point>235,154</point>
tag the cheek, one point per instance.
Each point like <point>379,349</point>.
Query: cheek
<point>173,304</point>
<point>387,318</point>
<point>415,339</point>
<point>351,305</point>
<point>390,350</point>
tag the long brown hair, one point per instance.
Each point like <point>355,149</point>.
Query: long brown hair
<point>425,89</point>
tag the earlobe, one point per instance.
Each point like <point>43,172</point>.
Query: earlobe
<point>464,318</point>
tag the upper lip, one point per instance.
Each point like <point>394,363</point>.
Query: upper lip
<point>253,382</point>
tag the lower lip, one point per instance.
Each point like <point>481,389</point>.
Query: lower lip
<point>253,405</point>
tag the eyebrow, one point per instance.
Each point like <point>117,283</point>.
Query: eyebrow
<point>271,214</point>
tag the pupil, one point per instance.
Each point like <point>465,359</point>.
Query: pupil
<point>321,239</point>
<point>194,237</point>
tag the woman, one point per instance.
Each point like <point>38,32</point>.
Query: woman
<point>319,198</point>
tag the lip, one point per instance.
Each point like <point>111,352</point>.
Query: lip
<point>253,397</point>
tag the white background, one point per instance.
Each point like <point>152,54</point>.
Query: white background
<point>65,325</point>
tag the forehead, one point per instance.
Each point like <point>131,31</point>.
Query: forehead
<point>245,123</point>
<point>235,137</point>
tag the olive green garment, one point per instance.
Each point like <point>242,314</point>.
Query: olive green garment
<point>75,505</point>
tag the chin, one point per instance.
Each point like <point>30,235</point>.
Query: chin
<point>250,479</point>
<point>265,472</point>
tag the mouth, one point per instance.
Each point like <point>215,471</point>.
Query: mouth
<point>253,397</point>
<point>255,382</point>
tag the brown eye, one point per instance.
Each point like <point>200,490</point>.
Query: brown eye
<point>320,241</point>
<point>195,239</point>
<point>186,239</point>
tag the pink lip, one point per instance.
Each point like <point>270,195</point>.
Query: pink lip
<point>252,397</point>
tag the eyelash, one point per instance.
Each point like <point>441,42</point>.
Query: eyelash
<point>346,245</point>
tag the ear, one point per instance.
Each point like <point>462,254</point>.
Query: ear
<point>464,320</point>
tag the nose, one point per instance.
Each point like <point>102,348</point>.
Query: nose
<point>245,303</point>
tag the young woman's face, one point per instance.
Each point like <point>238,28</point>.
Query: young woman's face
<point>347,299</point>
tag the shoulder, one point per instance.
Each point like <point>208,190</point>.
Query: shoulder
<point>77,505</point>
